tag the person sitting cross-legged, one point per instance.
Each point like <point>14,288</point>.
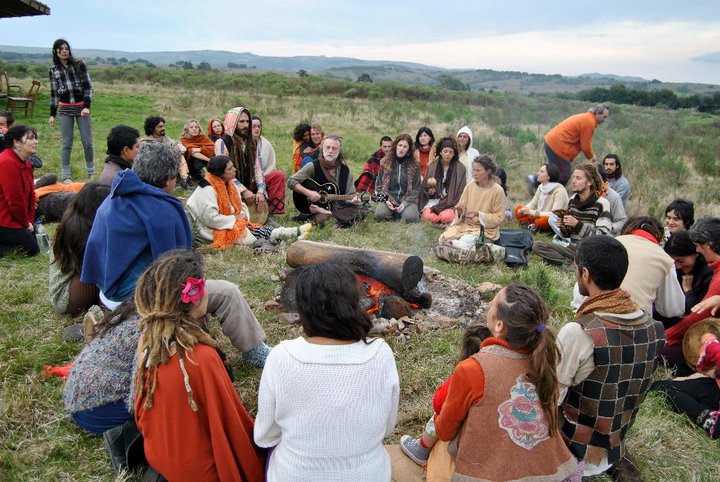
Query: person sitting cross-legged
<point>443,184</point>
<point>588,214</point>
<point>550,196</point>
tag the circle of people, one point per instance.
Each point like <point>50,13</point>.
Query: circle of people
<point>558,405</point>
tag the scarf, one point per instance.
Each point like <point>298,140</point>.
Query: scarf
<point>644,234</point>
<point>227,198</point>
<point>388,163</point>
<point>207,147</point>
<point>615,301</point>
<point>211,135</point>
<point>545,190</point>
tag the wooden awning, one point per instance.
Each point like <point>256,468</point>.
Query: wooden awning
<point>22,8</point>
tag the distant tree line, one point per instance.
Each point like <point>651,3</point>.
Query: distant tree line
<point>664,98</point>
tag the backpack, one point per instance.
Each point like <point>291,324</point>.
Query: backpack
<point>517,244</point>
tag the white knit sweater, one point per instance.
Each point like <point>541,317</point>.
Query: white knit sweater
<point>326,410</point>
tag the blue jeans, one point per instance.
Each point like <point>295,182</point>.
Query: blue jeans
<point>99,419</point>
<point>66,130</point>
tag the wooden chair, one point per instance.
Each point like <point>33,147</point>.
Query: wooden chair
<point>25,103</point>
<point>9,88</point>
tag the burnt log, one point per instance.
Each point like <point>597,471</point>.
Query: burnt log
<point>401,272</point>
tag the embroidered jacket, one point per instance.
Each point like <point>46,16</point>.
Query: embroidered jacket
<point>69,84</point>
<point>502,420</point>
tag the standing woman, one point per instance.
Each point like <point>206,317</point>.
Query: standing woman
<point>424,148</point>
<point>399,180</point>
<point>17,192</point>
<point>70,97</point>
<point>443,185</point>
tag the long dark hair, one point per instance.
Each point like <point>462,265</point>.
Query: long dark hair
<point>525,317</point>
<point>74,227</point>
<point>328,302</point>
<point>453,162</point>
<point>56,60</point>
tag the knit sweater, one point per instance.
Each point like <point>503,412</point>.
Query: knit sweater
<point>572,136</point>
<point>489,202</point>
<point>593,216</point>
<point>326,410</point>
<point>103,371</point>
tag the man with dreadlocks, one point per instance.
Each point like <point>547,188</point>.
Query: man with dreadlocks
<point>239,144</point>
<point>193,422</point>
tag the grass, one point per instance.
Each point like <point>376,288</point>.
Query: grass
<point>661,151</point>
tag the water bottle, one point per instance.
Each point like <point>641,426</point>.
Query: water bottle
<point>43,240</point>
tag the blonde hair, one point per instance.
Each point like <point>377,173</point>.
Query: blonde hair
<point>186,128</point>
<point>165,320</point>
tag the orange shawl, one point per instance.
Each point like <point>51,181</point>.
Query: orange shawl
<point>53,188</point>
<point>227,198</point>
<point>297,156</point>
<point>207,147</point>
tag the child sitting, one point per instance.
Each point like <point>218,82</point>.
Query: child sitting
<point>509,423</point>
<point>194,425</point>
<point>418,449</point>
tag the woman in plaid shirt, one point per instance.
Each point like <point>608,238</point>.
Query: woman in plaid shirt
<point>70,97</point>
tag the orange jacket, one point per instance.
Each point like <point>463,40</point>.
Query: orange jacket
<point>573,135</point>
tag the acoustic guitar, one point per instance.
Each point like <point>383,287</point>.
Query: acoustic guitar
<point>328,192</point>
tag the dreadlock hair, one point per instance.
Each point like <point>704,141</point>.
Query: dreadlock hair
<point>299,131</point>
<point>74,228</point>
<point>525,317</point>
<point>243,154</point>
<point>646,223</point>
<point>165,319</point>
<point>473,337</point>
<point>593,175</point>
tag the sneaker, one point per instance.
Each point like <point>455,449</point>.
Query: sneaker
<point>531,227</point>
<point>67,180</point>
<point>304,231</point>
<point>709,423</point>
<point>73,333</point>
<point>560,241</point>
<point>414,449</point>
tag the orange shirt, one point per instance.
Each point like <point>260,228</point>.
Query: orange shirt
<point>214,443</point>
<point>573,135</point>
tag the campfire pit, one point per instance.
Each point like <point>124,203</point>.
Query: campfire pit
<point>433,301</point>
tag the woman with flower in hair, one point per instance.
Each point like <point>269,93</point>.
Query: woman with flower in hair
<point>505,399</point>
<point>193,421</point>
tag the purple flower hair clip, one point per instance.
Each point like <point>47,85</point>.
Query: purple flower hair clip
<point>541,327</point>
<point>193,291</point>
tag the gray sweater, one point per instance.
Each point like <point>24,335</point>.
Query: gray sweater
<point>103,371</point>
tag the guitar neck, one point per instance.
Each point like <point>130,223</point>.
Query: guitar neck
<point>338,197</point>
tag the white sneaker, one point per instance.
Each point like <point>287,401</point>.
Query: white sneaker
<point>564,242</point>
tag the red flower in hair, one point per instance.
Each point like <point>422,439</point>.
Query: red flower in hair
<point>193,291</point>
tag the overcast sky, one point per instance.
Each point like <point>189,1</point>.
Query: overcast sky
<point>667,40</point>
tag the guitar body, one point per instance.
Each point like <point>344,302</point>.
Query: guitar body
<point>301,201</point>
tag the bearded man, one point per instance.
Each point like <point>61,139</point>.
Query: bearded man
<point>312,181</point>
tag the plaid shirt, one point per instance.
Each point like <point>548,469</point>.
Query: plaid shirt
<point>69,84</point>
<point>366,181</point>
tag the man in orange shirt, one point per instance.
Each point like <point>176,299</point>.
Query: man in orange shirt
<point>570,137</point>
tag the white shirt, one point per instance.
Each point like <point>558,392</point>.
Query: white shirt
<point>326,410</point>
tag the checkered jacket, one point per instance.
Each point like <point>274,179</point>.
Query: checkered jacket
<point>599,410</point>
<point>69,84</point>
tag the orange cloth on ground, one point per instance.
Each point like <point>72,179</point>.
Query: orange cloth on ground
<point>296,156</point>
<point>52,188</point>
<point>573,135</point>
<point>541,223</point>
<point>207,147</point>
<point>214,443</point>
<point>227,198</point>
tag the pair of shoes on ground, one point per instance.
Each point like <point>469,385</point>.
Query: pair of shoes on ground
<point>265,246</point>
<point>414,449</point>
<point>560,241</point>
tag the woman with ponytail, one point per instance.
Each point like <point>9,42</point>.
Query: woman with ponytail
<point>194,425</point>
<point>505,399</point>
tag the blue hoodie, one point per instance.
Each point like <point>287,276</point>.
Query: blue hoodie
<point>133,226</point>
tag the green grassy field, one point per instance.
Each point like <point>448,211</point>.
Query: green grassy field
<point>665,154</point>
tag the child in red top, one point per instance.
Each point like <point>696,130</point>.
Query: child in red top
<point>418,449</point>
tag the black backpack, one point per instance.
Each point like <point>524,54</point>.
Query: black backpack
<point>517,244</point>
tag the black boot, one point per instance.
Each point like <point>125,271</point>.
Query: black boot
<point>124,443</point>
<point>625,471</point>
